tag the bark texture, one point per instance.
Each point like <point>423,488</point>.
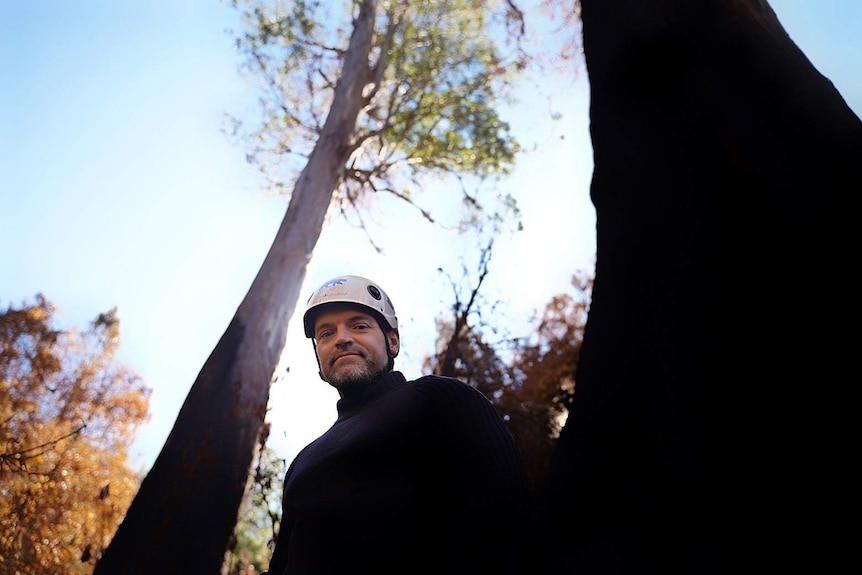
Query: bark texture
<point>710,430</point>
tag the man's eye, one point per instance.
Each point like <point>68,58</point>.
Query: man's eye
<point>324,334</point>
<point>361,326</point>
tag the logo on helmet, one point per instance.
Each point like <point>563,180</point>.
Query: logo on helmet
<point>330,283</point>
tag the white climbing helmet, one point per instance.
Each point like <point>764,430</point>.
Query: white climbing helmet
<point>350,289</point>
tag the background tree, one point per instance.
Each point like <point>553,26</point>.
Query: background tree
<point>529,379</point>
<point>68,412</point>
<point>462,347</point>
<point>712,425</point>
<point>260,514</point>
<point>544,365</point>
<point>371,96</point>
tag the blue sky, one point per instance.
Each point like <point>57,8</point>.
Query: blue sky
<point>119,189</point>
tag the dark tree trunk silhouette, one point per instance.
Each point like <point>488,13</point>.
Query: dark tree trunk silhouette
<point>709,432</point>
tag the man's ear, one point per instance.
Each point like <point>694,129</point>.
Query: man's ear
<point>393,341</point>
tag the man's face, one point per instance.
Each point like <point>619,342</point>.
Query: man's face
<point>351,346</point>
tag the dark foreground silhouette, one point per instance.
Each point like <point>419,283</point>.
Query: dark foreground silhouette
<point>710,430</point>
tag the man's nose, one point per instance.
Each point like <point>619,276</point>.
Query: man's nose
<point>343,335</point>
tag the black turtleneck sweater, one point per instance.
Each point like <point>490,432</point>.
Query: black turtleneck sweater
<point>417,476</point>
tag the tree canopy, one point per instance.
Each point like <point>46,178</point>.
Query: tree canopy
<point>68,413</point>
<point>437,73</point>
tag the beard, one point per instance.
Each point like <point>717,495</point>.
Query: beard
<point>356,376</point>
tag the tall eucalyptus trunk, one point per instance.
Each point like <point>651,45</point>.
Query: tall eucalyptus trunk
<point>184,514</point>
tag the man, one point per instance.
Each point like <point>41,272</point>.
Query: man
<point>413,476</point>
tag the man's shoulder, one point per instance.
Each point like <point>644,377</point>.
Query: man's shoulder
<point>442,378</point>
<point>439,381</point>
<point>441,384</point>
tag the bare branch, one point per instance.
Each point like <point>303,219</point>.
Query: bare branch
<point>15,459</point>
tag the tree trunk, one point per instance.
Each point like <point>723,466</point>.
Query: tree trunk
<point>710,430</point>
<point>184,513</point>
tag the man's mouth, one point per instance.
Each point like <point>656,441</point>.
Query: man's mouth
<point>343,355</point>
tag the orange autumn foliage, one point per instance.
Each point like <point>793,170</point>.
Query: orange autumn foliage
<point>68,413</point>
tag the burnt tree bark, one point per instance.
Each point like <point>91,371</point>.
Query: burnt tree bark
<point>710,432</point>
